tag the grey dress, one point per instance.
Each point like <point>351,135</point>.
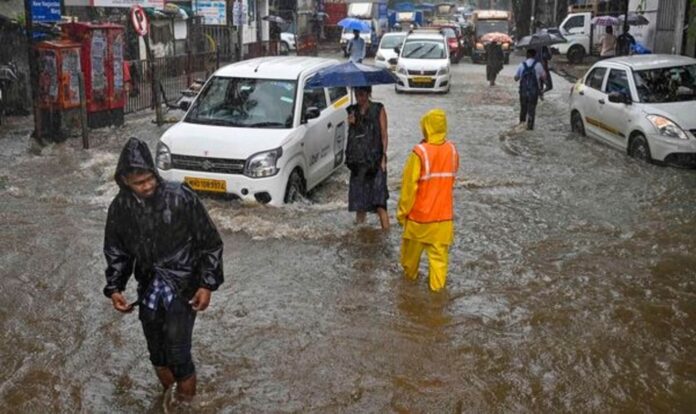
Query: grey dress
<point>368,191</point>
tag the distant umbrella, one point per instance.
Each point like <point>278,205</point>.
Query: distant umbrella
<point>635,19</point>
<point>605,21</point>
<point>354,24</point>
<point>540,40</point>
<point>274,19</point>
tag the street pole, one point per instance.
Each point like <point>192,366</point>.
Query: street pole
<point>531,23</point>
<point>29,26</point>
<point>555,12</point>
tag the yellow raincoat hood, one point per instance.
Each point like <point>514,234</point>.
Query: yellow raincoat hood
<point>434,126</point>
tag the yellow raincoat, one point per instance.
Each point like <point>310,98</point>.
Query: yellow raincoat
<point>436,237</point>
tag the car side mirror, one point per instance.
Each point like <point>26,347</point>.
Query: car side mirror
<point>393,61</point>
<point>311,113</point>
<point>619,97</point>
<point>184,105</point>
<point>397,50</point>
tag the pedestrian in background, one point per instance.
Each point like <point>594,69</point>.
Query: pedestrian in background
<point>161,232</point>
<point>495,58</point>
<point>608,42</point>
<point>624,43</point>
<point>530,75</point>
<point>366,157</point>
<point>426,204</point>
<point>356,48</point>
<point>544,57</point>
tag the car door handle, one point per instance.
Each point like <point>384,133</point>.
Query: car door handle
<point>601,101</point>
<point>329,125</point>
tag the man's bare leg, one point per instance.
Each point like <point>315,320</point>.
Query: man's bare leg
<point>186,389</point>
<point>165,376</point>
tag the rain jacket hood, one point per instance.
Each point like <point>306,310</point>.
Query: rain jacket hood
<point>434,126</point>
<point>169,236</point>
<point>135,155</point>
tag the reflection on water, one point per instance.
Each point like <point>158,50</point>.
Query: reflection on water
<point>571,284</point>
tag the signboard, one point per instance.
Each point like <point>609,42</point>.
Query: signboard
<point>213,12</point>
<point>239,13</point>
<point>157,4</point>
<point>45,10</point>
<point>139,20</point>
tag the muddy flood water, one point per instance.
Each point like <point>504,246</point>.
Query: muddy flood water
<point>572,283</point>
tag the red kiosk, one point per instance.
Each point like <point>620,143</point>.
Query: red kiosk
<point>102,63</point>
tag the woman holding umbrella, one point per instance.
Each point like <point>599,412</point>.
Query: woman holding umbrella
<point>366,157</point>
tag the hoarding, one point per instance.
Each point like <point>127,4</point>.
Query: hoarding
<point>157,4</point>
<point>213,12</point>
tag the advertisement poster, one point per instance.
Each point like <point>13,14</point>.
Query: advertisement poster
<point>48,76</point>
<point>71,68</point>
<point>118,64</point>
<point>213,12</point>
<point>98,58</point>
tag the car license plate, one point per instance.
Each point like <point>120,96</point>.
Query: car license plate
<point>422,79</point>
<point>206,184</point>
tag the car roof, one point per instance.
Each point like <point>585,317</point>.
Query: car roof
<point>646,62</point>
<point>426,36</point>
<point>394,34</point>
<point>274,67</point>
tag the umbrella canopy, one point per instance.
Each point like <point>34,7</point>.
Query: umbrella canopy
<point>273,19</point>
<point>354,24</point>
<point>350,74</point>
<point>540,40</point>
<point>605,21</point>
<point>635,19</point>
<point>496,37</point>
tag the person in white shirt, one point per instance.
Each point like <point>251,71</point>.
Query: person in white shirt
<point>608,43</point>
<point>356,47</point>
<point>531,76</point>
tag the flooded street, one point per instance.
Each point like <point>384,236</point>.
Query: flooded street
<point>572,284</point>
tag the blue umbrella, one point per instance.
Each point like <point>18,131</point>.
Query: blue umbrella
<point>350,74</point>
<point>350,23</point>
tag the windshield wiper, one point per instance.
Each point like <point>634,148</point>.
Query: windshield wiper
<point>265,124</point>
<point>423,55</point>
<point>414,51</point>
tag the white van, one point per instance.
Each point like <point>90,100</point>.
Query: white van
<point>256,133</point>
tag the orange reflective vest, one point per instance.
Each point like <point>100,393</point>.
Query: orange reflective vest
<point>434,199</point>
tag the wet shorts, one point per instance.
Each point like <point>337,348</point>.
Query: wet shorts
<point>168,333</point>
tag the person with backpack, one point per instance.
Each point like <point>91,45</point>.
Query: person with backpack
<point>366,158</point>
<point>530,75</point>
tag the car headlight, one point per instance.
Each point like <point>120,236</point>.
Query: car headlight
<point>443,71</point>
<point>263,164</point>
<point>402,70</point>
<point>666,127</point>
<point>479,46</point>
<point>164,157</point>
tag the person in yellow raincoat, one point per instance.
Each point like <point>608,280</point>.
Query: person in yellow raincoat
<point>426,204</point>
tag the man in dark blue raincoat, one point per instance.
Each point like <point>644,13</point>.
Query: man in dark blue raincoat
<point>161,232</point>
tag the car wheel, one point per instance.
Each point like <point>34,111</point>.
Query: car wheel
<point>295,190</point>
<point>576,123</point>
<point>639,148</point>
<point>397,89</point>
<point>576,54</point>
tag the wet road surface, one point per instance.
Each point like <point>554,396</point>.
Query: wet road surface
<point>572,281</point>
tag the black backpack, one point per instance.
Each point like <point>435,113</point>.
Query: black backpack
<point>529,84</point>
<point>364,147</point>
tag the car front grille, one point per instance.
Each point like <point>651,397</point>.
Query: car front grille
<point>422,72</point>
<point>214,165</point>
<point>413,84</point>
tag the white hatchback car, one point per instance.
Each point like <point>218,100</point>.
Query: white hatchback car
<point>644,105</point>
<point>423,64</point>
<point>257,133</point>
<point>386,51</point>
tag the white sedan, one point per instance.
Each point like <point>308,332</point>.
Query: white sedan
<point>386,51</point>
<point>643,105</point>
<point>423,64</point>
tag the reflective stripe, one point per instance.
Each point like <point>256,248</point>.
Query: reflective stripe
<point>425,157</point>
<point>436,175</point>
<point>454,156</point>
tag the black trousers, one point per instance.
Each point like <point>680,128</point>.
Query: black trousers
<point>528,106</point>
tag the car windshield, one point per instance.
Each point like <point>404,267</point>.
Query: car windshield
<point>491,26</point>
<point>424,49</point>
<point>449,32</point>
<point>245,102</point>
<point>390,42</point>
<point>675,84</point>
